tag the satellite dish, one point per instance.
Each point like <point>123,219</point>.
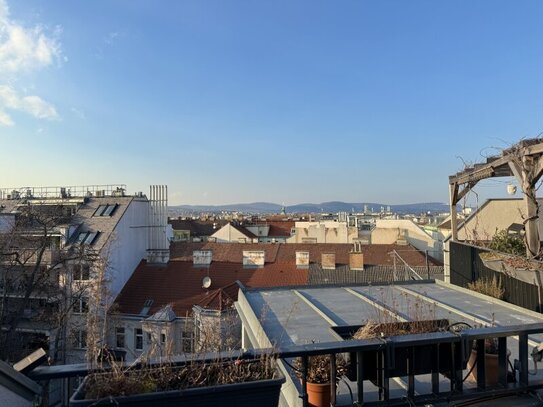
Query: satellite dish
<point>206,282</point>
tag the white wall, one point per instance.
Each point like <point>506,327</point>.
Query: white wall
<point>128,245</point>
<point>495,215</point>
<point>386,229</point>
<point>228,233</point>
<point>323,232</point>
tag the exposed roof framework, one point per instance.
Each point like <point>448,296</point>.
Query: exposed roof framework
<point>524,161</point>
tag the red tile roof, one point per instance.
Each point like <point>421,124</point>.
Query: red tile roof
<point>221,298</point>
<point>280,228</point>
<point>377,254</point>
<point>180,284</point>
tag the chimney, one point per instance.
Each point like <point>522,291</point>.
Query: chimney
<point>402,238</point>
<point>158,249</point>
<point>202,258</point>
<point>356,261</point>
<point>253,258</point>
<point>328,261</point>
<point>302,260</point>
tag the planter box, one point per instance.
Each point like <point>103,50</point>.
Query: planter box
<point>422,359</point>
<point>261,393</point>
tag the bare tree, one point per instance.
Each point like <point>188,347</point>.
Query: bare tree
<point>36,280</point>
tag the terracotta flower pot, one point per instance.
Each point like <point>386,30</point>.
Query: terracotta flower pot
<point>318,394</point>
<point>491,367</point>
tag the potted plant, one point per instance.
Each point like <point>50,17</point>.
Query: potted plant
<point>223,381</point>
<point>491,362</point>
<point>318,377</point>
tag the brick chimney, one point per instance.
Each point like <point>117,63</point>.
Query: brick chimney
<point>328,261</point>
<point>302,260</point>
<point>356,261</point>
<point>253,258</point>
<point>202,258</point>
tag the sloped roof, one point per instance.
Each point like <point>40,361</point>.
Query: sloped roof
<point>280,228</point>
<point>180,284</point>
<point>286,252</point>
<point>243,230</point>
<point>84,215</point>
<point>103,224</point>
<point>196,227</point>
<point>221,298</point>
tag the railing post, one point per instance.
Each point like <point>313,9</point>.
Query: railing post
<point>385,362</point>
<point>411,373</point>
<point>435,370</point>
<point>481,364</point>
<point>333,379</point>
<point>456,370</point>
<point>502,361</point>
<point>523,356</point>
<point>305,361</point>
<point>360,376</point>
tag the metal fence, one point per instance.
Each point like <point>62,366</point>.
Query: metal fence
<point>385,352</point>
<point>466,266</point>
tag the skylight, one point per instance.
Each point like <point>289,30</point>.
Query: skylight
<point>86,238</point>
<point>105,210</point>
<point>146,307</point>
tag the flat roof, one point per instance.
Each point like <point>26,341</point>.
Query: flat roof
<point>305,314</point>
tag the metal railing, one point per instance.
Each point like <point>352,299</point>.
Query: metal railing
<point>386,351</point>
<point>63,192</point>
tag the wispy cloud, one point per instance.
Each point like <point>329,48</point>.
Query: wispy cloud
<point>25,49</point>
<point>111,37</point>
<point>108,41</point>
<point>33,105</point>
<point>6,120</point>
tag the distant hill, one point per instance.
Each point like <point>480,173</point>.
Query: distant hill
<point>325,207</point>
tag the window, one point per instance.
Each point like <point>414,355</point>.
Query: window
<point>162,338</point>
<point>87,238</point>
<point>146,307</point>
<point>80,339</point>
<point>119,337</point>
<point>187,341</point>
<point>292,231</point>
<point>138,339</point>
<point>105,210</point>
<point>81,272</point>
<point>109,210</point>
<point>81,306</point>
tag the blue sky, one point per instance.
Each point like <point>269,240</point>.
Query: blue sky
<point>281,101</point>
